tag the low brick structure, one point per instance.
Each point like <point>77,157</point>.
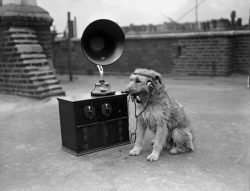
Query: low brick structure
<point>26,66</point>
<point>217,53</point>
<point>241,53</point>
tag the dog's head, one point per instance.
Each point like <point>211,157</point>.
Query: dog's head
<point>143,83</point>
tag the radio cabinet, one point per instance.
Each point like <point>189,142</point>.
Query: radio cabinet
<point>90,124</point>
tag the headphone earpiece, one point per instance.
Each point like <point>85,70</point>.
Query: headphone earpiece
<point>149,84</point>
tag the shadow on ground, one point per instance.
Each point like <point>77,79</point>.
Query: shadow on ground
<point>30,143</point>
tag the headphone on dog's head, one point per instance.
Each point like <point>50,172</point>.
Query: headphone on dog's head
<point>150,83</point>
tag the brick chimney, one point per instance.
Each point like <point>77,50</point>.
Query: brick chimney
<point>26,66</point>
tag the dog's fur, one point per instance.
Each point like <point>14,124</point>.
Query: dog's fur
<point>163,115</point>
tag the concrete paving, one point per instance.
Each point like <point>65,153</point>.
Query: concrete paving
<point>30,143</point>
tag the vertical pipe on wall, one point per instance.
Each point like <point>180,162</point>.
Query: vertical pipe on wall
<point>75,28</point>
<point>69,49</point>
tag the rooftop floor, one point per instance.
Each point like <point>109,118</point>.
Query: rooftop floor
<point>30,142</point>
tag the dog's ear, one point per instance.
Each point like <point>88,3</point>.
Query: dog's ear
<point>158,77</point>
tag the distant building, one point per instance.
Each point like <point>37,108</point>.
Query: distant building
<point>173,27</point>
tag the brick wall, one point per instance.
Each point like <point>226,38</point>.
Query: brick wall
<point>157,54</point>
<point>241,53</point>
<point>150,53</point>
<point>206,53</point>
<point>203,56</point>
<point>26,51</point>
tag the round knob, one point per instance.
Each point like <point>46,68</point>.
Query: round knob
<point>106,109</point>
<point>89,112</point>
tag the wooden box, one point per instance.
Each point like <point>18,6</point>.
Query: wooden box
<point>90,124</point>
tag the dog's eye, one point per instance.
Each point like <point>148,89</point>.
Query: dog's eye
<point>137,81</point>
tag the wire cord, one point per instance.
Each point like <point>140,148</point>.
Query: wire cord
<point>136,116</point>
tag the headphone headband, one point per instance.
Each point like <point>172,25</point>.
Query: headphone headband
<point>148,76</point>
<point>145,75</point>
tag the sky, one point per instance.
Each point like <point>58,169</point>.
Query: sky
<point>138,12</point>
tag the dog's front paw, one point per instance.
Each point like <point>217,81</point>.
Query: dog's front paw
<point>153,157</point>
<point>173,151</point>
<point>135,151</point>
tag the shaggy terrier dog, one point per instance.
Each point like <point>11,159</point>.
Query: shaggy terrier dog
<point>159,112</point>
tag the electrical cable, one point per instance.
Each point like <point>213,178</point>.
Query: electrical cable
<point>136,116</point>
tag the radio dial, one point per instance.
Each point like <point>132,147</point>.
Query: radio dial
<point>106,109</point>
<point>89,112</point>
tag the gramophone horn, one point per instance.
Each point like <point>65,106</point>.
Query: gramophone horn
<point>102,42</point>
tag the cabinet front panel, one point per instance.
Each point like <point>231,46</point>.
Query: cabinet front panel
<point>99,110</point>
<point>90,137</point>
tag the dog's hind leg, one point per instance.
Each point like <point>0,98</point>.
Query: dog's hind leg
<point>183,141</point>
<point>169,140</point>
<point>139,139</point>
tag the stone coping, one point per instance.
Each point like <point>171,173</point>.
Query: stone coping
<point>176,35</point>
<point>10,10</point>
<point>190,34</point>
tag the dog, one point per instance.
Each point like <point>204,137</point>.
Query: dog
<point>159,112</point>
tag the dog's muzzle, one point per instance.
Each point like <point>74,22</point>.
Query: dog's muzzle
<point>135,96</point>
